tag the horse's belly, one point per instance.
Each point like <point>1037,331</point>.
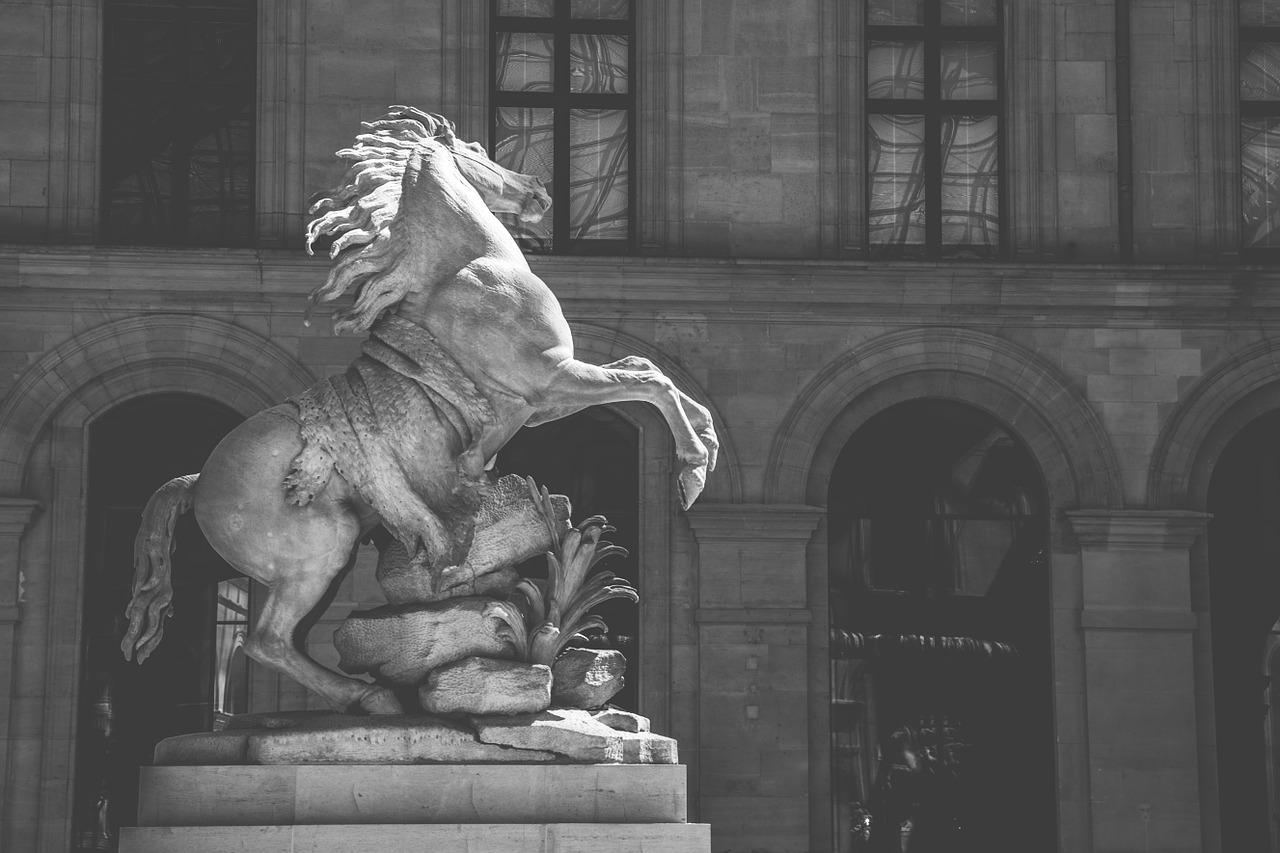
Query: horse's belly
<point>240,504</point>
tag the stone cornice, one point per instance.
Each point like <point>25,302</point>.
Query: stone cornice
<point>15,515</point>
<point>754,522</point>
<point>725,289</point>
<point>1136,530</point>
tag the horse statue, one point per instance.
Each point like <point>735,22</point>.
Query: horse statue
<point>465,346</point>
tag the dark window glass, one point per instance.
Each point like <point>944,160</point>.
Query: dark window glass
<point>563,109</point>
<point>933,102</point>
<point>1260,124</point>
<point>179,100</point>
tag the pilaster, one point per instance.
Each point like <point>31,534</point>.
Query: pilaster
<point>1139,636</point>
<point>753,620</point>
<point>15,514</point>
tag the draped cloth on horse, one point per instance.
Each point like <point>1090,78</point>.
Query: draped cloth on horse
<point>368,423</point>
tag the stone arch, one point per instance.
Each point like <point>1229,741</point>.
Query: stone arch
<point>1221,403</point>
<point>122,359</point>
<point>1014,385</point>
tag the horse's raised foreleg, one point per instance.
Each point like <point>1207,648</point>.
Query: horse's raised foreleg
<point>272,643</point>
<point>578,385</point>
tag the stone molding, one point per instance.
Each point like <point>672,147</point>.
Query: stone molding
<point>1137,529</point>
<point>1041,406</point>
<point>721,523</point>
<point>1220,403</point>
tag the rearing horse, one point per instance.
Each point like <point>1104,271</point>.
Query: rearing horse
<point>466,346</point>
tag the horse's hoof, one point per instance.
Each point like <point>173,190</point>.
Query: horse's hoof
<point>380,701</point>
<point>692,479</point>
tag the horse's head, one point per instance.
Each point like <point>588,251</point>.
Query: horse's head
<point>503,190</point>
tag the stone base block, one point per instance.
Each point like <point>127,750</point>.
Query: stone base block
<point>253,796</point>
<point>413,838</point>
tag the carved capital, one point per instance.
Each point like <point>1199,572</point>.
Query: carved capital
<point>754,522</point>
<point>15,515</point>
<point>1136,529</point>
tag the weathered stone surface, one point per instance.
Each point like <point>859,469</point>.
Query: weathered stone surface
<point>621,721</point>
<point>587,678</point>
<point>567,732</point>
<point>380,740</point>
<point>509,529</point>
<point>225,747</point>
<point>411,793</point>
<point>487,686</point>
<point>399,644</point>
<point>648,748</point>
<point>438,838</point>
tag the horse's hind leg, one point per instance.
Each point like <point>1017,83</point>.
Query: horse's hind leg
<point>273,644</point>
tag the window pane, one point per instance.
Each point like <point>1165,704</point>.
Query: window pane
<point>526,8</point>
<point>524,62</point>
<point>523,142</point>
<point>969,70</point>
<point>1260,176</point>
<point>1260,72</point>
<point>598,174</point>
<point>969,13</point>
<point>1259,13</point>
<point>886,12</point>
<point>222,52</point>
<point>895,69</point>
<point>138,149</point>
<point>895,161</point>
<point>220,175</point>
<point>140,50</point>
<point>598,63</point>
<point>970,183</point>
<point>614,10</point>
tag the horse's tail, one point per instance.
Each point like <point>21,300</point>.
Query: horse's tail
<point>152,587</point>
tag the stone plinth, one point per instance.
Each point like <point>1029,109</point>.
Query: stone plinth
<point>557,808</point>
<point>439,838</point>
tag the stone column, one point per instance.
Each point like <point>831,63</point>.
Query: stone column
<point>15,513</point>
<point>1140,677</point>
<point>753,662</point>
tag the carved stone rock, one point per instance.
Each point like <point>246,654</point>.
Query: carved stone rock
<point>621,721</point>
<point>486,686</point>
<point>565,731</point>
<point>399,644</point>
<point>648,748</point>
<point>587,678</point>
<point>509,529</point>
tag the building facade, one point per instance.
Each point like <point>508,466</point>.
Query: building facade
<point>982,297</point>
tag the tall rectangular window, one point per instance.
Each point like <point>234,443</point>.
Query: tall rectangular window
<point>933,102</point>
<point>562,108</point>
<point>1260,123</point>
<point>179,101</point>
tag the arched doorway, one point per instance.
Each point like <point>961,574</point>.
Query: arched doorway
<point>197,675</point>
<point>593,457</point>
<point>940,674</point>
<point>1244,607</point>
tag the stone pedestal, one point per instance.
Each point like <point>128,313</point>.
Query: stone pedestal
<point>560,808</point>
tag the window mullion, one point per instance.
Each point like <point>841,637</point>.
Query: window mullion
<point>933,132</point>
<point>560,146</point>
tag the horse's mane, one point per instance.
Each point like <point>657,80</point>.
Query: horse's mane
<point>357,214</point>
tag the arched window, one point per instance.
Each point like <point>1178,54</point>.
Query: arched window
<point>197,676</point>
<point>940,687</point>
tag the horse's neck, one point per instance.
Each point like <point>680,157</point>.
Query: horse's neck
<point>451,229</point>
